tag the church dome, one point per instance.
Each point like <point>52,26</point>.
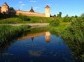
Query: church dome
<point>31,10</point>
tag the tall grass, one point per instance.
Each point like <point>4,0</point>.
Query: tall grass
<point>74,35</point>
<point>8,33</point>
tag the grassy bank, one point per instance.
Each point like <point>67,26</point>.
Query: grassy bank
<point>59,29</point>
<point>8,33</point>
<point>25,19</point>
<point>73,34</point>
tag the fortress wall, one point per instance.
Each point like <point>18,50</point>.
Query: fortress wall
<point>0,9</point>
<point>5,9</point>
<point>27,13</point>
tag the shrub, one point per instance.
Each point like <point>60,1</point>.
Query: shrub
<point>74,35</point>
<point>55,22</point>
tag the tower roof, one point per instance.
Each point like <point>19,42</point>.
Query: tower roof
<point>47,6</point>
<point>5,4</point>
<point>31,10</point>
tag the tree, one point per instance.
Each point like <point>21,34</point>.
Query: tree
<point>82,15</point>
<point>54,15</point>
<point>59,15</point>
<point>11,8</point>
<point>67,18</point>
<point>12,11</point>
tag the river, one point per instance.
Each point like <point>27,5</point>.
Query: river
<point>36,47</point>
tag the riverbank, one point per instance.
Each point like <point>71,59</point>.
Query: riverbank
<point>73,34</point>
<point>7,32</point>
<point>71,29</point>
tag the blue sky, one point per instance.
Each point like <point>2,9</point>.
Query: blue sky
<point>70,7</point>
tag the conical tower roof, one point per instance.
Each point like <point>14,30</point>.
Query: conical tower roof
<point>31,10</point>
<point>5,4</point>
<point>47,6</point>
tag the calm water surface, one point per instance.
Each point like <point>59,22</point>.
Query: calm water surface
<point>37,49</point>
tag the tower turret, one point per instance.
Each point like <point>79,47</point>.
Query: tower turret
<point>47,11</point>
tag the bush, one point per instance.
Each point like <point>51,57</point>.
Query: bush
<point>67,19</point>
<point>55,22</point>
<point>74,34</point>
<point>4,15</point>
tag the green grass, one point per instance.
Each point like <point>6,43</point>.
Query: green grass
<point>8,33</point>
<point>73,35</point>
<point>25,19</point>
<point>60,28</point>
<point>40,20</point>
<point>14,20</point>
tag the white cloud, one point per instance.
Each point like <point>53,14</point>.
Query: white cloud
<point>23,4</point>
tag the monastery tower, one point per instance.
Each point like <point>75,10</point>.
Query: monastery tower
<point>47,11</point>
<point>5,8</point>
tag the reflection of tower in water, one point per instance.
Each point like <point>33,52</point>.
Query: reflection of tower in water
<point>32,38</point>
<point>47,36</point>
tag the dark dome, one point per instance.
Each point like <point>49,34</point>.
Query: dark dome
<point>47,6</point>
<point>31,10</point>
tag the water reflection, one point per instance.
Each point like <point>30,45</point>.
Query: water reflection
<point>31,35</point>
<point>32,38</point>
<point>47,36</point>
<point>34,48</point>
<point>5,46</point>
<point>35,53</point>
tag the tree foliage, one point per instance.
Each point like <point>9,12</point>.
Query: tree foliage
<point>59,15</point>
